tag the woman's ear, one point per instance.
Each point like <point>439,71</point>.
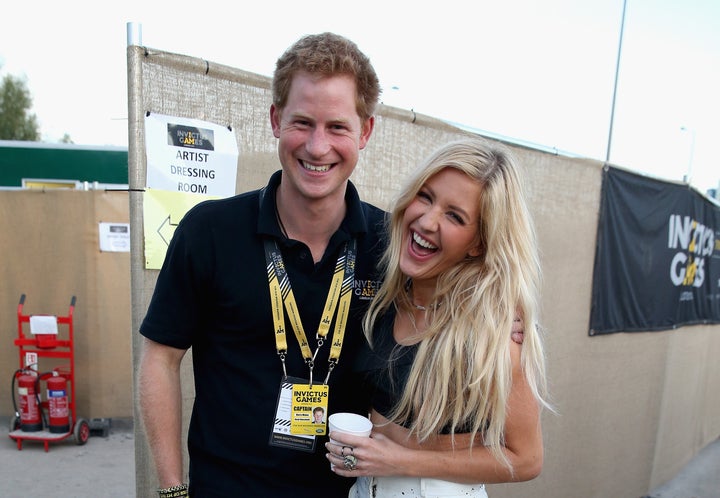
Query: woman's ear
<point>478,249</point>
<point>474,252</point>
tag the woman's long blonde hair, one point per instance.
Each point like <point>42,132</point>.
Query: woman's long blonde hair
<point>461,376</point>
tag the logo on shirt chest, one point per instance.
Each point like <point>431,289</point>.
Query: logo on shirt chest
<point>365,289</point>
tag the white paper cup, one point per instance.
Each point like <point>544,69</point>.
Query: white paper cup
<point>349,423</point>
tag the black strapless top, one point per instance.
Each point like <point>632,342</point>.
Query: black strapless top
<point>386,366</point>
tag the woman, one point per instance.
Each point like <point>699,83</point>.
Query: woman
<point>456,402</point>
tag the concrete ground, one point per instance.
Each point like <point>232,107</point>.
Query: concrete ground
<point>700,478</point>
<point>105,467</point>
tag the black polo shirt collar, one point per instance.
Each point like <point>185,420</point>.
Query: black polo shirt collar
<point>354,224</point>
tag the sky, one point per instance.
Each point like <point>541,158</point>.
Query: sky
<point>539,72</point>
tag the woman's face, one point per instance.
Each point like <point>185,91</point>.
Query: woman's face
<point>440,226</point>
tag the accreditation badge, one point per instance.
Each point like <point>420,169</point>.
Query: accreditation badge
<point>282,434</point>
<point>309,409</point>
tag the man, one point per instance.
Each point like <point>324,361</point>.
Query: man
<point>319,415</point>
<point>260,285</point>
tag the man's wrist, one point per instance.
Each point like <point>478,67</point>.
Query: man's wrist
<point>174,491</point>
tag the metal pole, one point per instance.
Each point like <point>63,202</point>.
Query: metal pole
<point>134,34</point>
<point>688,175</point>
<point>617,71</point>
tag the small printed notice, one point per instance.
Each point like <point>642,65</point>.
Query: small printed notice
<point>114,237</point>
<point>43,324</point>
<point>31,360</point>
<point>190,156</point>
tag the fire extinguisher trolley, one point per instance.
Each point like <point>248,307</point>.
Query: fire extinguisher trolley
<point>54,417</point>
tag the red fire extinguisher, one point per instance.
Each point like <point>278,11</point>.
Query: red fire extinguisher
<point>30,420</point>
<point>58,405</point>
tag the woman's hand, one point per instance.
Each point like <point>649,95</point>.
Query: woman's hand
<point>376,455</point>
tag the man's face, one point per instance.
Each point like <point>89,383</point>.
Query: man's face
<point>320,135</point>
<point>318,415</point>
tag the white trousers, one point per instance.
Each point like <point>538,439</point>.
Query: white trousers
<point>411,487</point>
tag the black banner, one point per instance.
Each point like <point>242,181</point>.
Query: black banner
<point>657,260</point>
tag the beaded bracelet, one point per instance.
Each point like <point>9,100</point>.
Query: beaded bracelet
<point>174,492</point>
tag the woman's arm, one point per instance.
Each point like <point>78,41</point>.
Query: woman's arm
<point>390,452</point>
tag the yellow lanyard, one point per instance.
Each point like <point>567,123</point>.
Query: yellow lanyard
<point>338,298</point>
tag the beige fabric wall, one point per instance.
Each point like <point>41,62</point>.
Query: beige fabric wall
<point>631,408</point>
<point>50,249</point>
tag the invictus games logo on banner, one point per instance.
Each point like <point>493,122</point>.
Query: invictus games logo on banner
<point>190,137</point>
<point>657,258</point>
<point>695,244</point>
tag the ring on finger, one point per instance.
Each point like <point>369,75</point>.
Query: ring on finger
<point>350,462</point>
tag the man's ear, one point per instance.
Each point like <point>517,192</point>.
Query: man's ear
<point>275,120</point>
<point>367,128</point>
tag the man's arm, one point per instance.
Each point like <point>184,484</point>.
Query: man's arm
<point>161,408</point>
